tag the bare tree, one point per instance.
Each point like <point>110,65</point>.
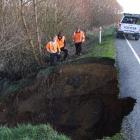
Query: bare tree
<point>37,27</point>
<point>28,32</point>
<point>26,25</point>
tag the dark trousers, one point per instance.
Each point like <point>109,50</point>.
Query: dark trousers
<point>65,53</point>
<point>53,58</point>
<point>78,47</point>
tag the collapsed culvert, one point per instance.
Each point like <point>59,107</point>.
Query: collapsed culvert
<point>79,100</point>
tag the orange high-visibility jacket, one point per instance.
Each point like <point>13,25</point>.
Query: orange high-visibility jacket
<point>52,47</point>
<point>78,37</point>
<point>61,42</point>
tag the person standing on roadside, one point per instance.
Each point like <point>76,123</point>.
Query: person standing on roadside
<point>78,39</point>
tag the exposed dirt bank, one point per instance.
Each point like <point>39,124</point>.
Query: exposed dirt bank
<point>79,99</point>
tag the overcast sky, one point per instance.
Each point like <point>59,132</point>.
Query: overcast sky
<point>130,6</point>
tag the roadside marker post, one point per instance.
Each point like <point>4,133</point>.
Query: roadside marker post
<point>100,35</point>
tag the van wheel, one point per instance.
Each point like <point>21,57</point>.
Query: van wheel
<point>117,35</point>
<point>137,37</point>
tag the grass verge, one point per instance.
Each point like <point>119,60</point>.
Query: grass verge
<point>30,132</point>
<point>105,49</point>
<point>118,136</point>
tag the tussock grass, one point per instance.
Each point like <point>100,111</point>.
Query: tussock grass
<point>105,49</point>
<point>30,132</point>
<point>118,136</point>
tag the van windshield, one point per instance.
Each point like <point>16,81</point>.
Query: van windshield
<point>130,20</point>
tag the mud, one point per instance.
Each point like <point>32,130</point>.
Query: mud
<point>79,100</point>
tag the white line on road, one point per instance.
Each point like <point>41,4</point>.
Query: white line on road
<point>135,54</point>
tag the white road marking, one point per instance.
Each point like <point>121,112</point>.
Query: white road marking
<point>134,52</point>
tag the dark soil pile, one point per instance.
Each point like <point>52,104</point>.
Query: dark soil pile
<point>79,100</point>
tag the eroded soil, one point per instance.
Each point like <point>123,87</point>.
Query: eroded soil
<point>79,100</point>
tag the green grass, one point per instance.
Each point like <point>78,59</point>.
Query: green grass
<point>29,132</point>
<point>118,136</point>
<point>38,132</point>
<point>108,31</point>
<point>105,49</point>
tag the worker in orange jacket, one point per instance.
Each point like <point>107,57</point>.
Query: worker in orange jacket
<point>78,38</point>
<point>54,50</point>
<point>62,44</point>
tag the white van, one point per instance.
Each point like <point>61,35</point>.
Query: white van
<point>129,25</point>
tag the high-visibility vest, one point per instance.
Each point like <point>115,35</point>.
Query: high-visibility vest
<point>78,37</point>
<point>60,41</point>
<point>52,47</point>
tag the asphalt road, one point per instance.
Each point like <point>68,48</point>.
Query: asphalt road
<point>128,63</point>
